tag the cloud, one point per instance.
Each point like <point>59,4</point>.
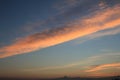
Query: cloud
<point>102,74</point>
<point>96,21</point>
<point>96,57</point>
<point>102,4</point>
<point>53,67</point>
<point>103,66</point>
<point>106,33</point>
<point>99,35</point>
<point>81,63</point>
<point>67,4</point>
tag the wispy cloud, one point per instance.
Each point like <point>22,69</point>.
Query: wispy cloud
<point>54,67</point>
<point>87,61</point>
<point>102,4</point>
<point>99,20</point>
<point>99,35</point>
<point>103,66</point>
<point>106,33</point>
<point>102,74</point>
<point>67,4</point>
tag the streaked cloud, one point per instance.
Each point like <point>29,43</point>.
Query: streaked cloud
<point>67,4</point>
<point>103,66</point>
<point>81,63</point>
<point>102,4</point>
<point>54,67</point>
<point>96,57</point>
<point>102,74</point>
<point>96,21</point>
<point>106,33</point>
<point>99,35</point>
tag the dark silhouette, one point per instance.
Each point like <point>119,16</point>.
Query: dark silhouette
<point>68,78</point>
<point>116,78</point>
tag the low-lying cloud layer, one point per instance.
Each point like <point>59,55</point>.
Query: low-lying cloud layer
<point>88,61</point>
<point>104,66</point>
<point>96,21</point>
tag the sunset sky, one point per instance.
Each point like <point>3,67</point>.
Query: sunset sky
<point>56,38</point>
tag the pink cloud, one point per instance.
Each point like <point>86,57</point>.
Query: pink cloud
<point>104,66</point>
<point>96,21</point>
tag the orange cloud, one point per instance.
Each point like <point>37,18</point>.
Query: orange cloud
<point>104,66</point>
<point>99,20</point>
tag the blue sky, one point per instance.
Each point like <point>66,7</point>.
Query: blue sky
<point>55,38</point>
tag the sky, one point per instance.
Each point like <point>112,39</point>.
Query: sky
<point>56,38</point>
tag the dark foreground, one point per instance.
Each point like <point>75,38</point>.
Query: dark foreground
<point>67,78</point>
